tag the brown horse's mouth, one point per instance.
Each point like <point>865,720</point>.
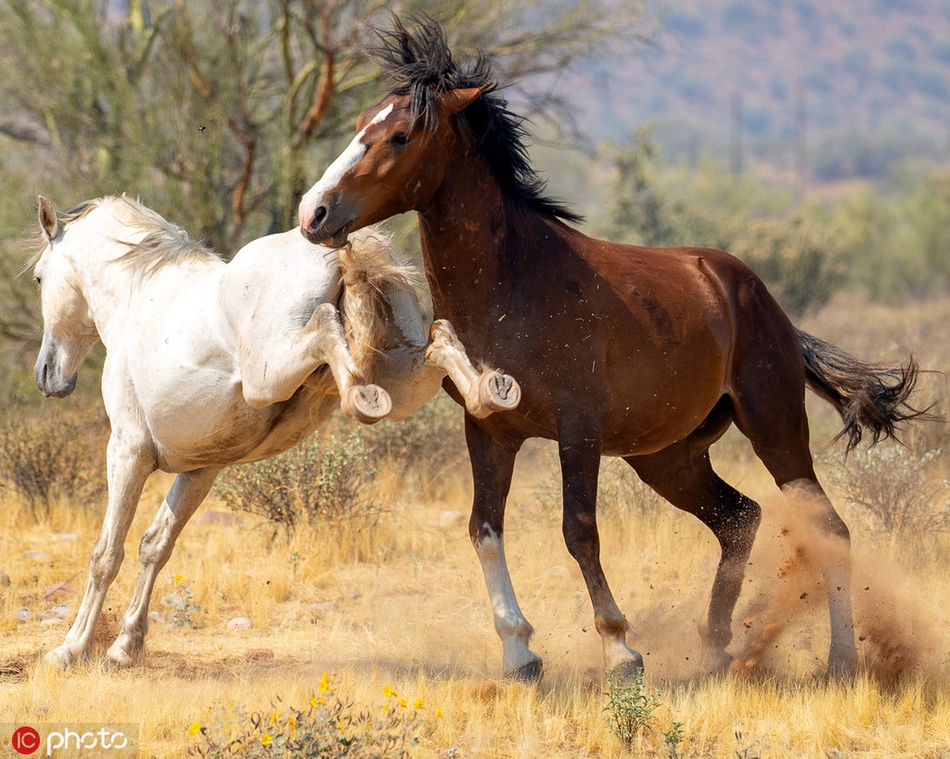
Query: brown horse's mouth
<point>334,240</point>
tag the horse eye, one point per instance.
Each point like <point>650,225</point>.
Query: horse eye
<point>37,280</point>
<point>400,139</point>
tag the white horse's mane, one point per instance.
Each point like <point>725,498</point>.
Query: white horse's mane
<point>164,244</point>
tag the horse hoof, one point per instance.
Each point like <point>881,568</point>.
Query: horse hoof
<point>116,660</point>
<point>842,668</point>
<point>499,392</point>
<point>529,673</point>
<point>716,662</point>
<point>58,659</point>
<point>626,673</point>
<point>367,403</point>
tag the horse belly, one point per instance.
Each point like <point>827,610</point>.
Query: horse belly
<point>664,403</point>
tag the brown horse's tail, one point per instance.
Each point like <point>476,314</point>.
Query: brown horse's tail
<point>872,397</point>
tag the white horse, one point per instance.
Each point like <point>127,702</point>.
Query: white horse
<point>210,364</point>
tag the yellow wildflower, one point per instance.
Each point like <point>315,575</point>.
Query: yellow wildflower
<point>313,701</point>
<point>266,738</point>
<point>194,728</point>
<point>324,685</point>
<point>388,692</point>
<point>418,703</point>
<point>403,703</point>
<point>179,579</point>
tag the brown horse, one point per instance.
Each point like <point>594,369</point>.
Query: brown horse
<point>649,354</point>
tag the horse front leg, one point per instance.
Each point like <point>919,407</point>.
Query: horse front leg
<point>486,391</point>
<point>155,548</point>
<point>492,467</point>
<point>274,366</point>
<point>127,472</point>
<point>579,452</point>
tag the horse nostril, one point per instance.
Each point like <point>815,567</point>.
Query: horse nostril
<point>319,215</point>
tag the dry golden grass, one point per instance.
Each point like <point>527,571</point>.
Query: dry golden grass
<point>402,603</point>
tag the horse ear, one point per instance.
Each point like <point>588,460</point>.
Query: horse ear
<point>48,219</point>
<point>455,101</point>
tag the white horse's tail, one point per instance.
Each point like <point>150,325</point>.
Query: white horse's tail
<point>372,274</point>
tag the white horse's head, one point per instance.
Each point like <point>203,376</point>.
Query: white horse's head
<point>69,331</point>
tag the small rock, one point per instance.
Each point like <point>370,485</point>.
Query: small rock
<point>35,555</point>
<point>51,622</point>
<point>802,643</point>
<point>64,537</point>
<point>156,616</point>
<point>240,623</point>
<point>60,588</point>
<point>258,654</point>
<point>24,615</point>
<point>451,518</point>
<point>324,606</point>
<point>60,610</point>
<point>352,594</point>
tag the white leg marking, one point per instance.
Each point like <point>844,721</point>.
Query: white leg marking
<point>510,624</point>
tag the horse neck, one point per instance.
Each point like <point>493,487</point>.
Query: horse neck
<point>465,253</point>
<point>108,286</point>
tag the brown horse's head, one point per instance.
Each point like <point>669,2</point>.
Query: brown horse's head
<point>442,113</point>
<point>393,165</point>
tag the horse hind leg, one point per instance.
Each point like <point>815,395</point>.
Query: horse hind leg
<point>486,391</point>
<point>185,496</point>
<point>778,431</point>
<point>684,476</point>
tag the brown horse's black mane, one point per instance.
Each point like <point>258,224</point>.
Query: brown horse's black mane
<point>422,64</point>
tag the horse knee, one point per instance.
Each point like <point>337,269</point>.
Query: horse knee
<point>105,562</point>
<point>155,546</point>
<point>580,536</point>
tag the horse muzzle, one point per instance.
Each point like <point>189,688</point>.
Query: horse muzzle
<point>323,224</point>
<point>50,379</point>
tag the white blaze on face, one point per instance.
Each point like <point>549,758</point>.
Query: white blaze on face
<point>335,171</point>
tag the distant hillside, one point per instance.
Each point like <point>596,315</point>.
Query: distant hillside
<point>863,80</point>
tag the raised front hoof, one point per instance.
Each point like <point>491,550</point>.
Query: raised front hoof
<point>529,674</point>
<point>626,673</point>
<point>496,392</point>
<point>366,403</point>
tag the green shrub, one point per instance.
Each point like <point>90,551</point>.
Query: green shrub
<point>51,457</point>
<point>430,442</point>
<point>900,492</point>
<point>329,727</point>
<point>315,481</point>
